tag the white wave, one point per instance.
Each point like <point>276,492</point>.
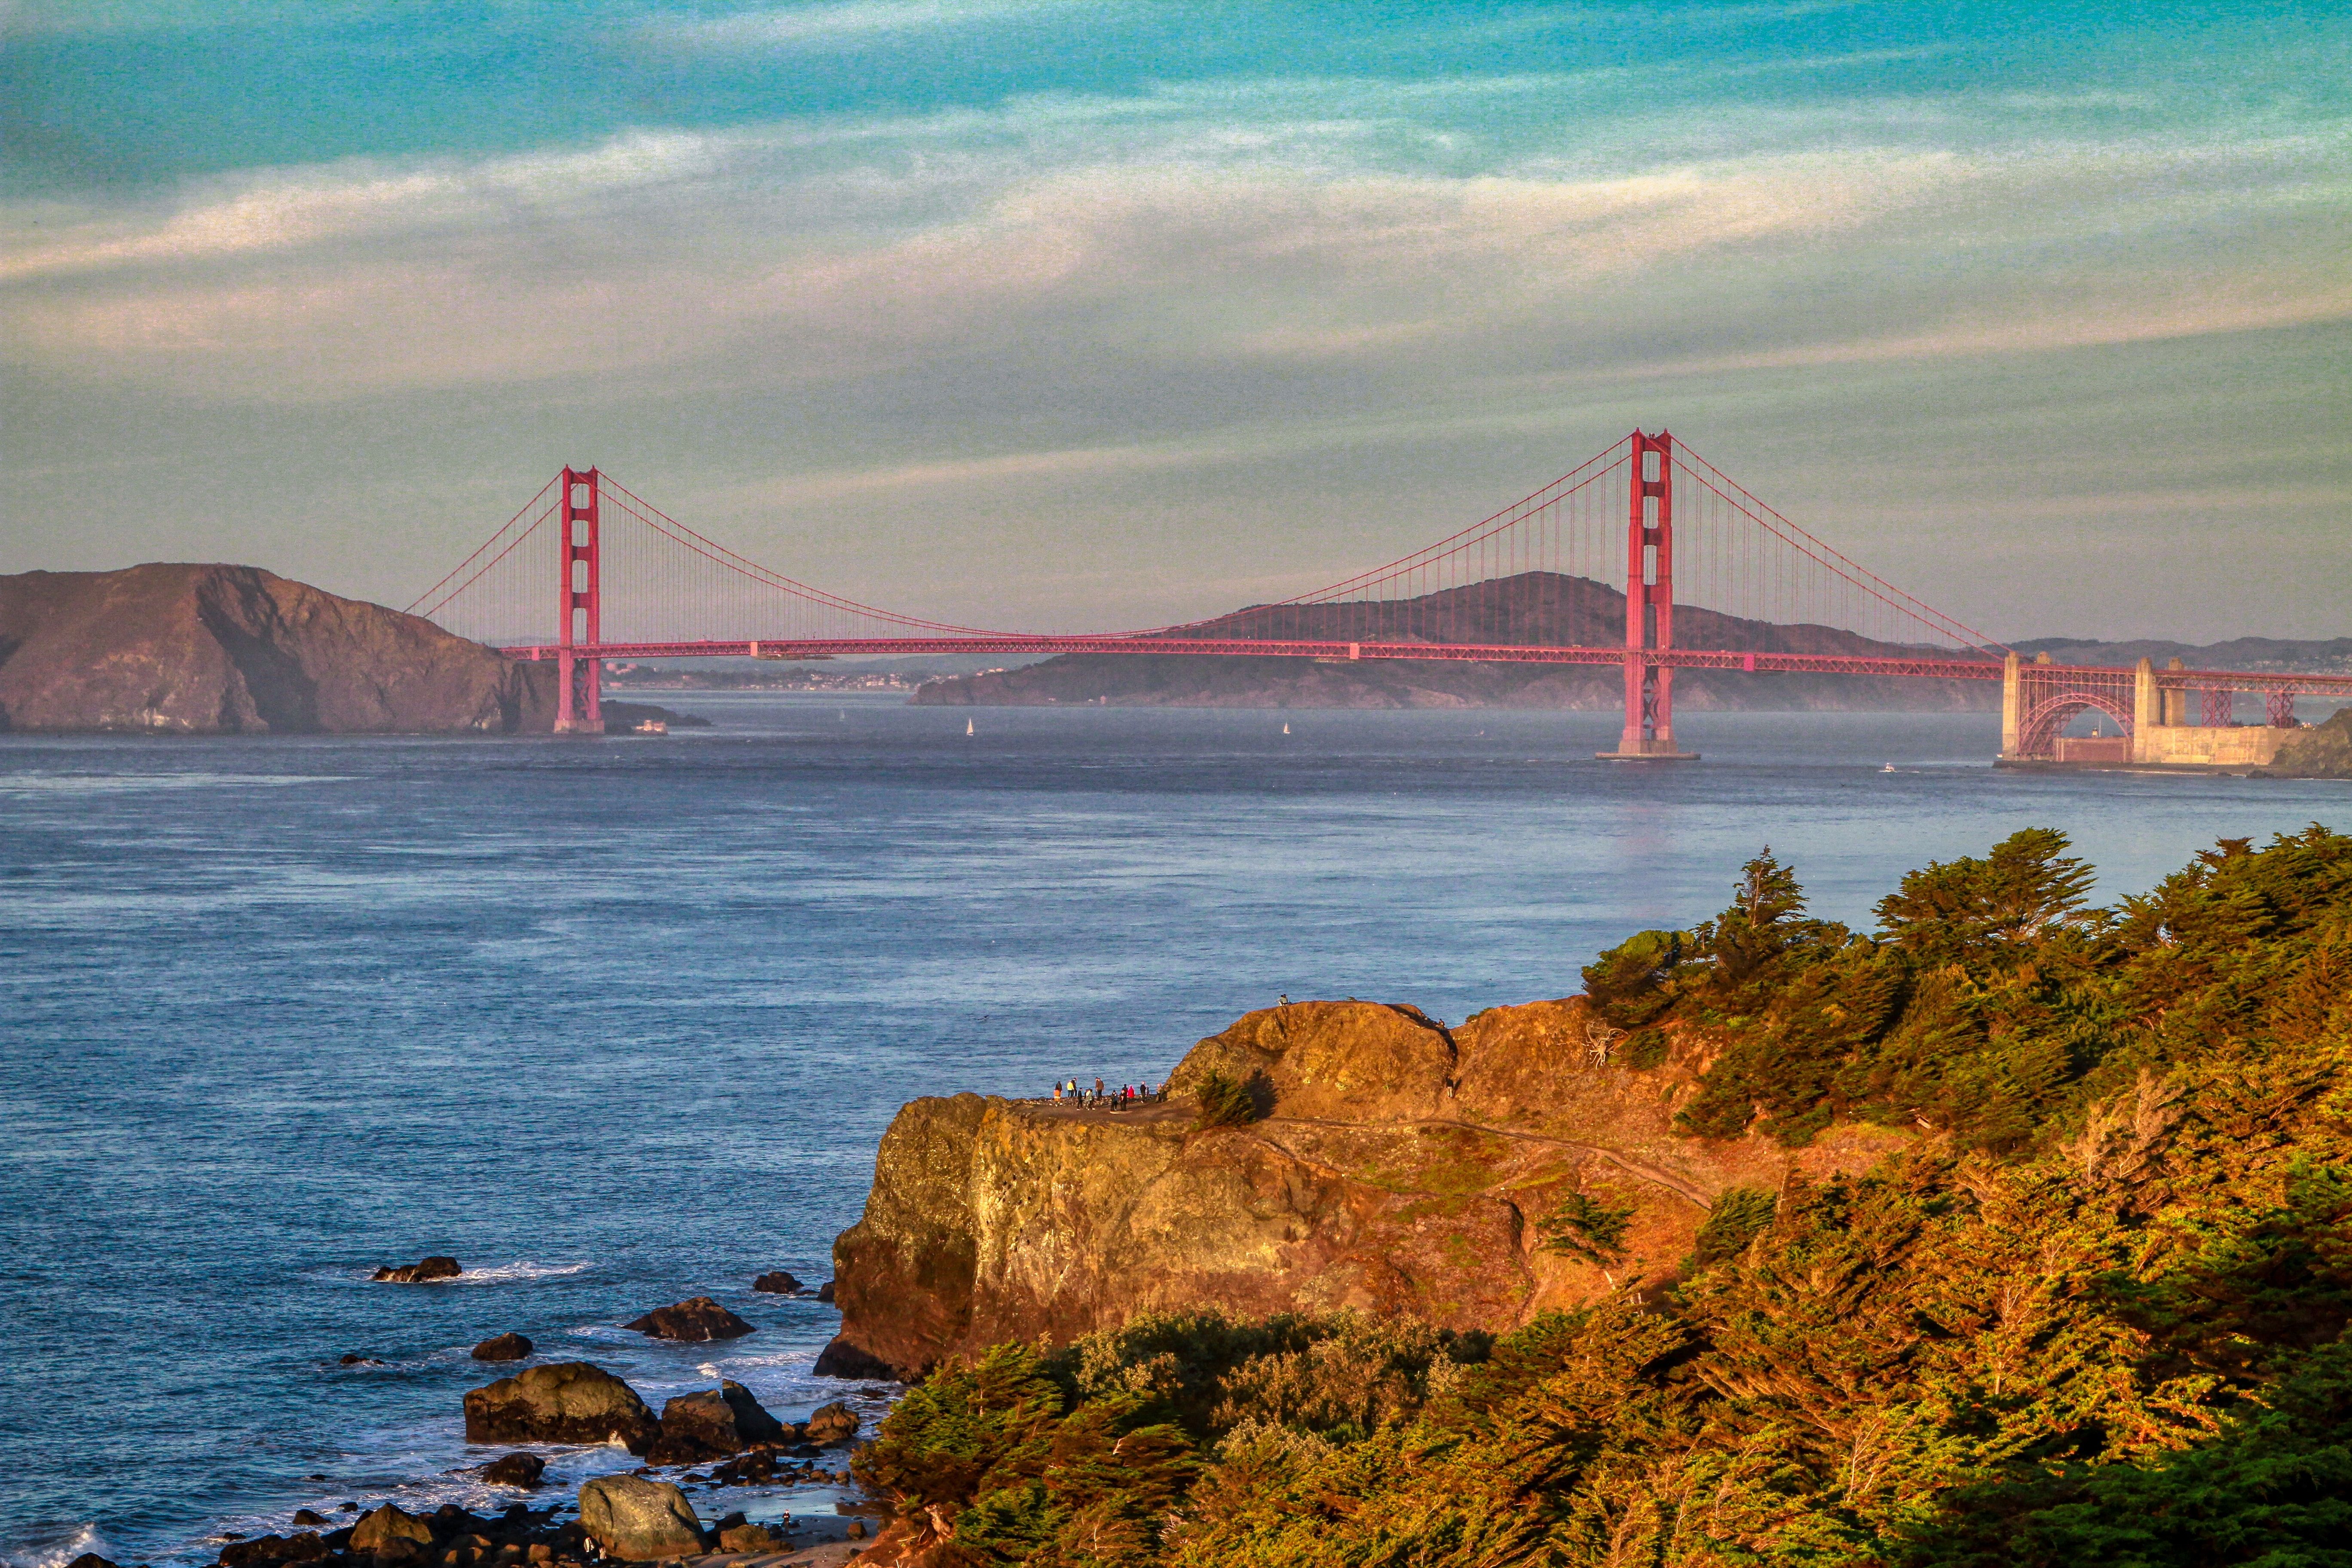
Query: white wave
<point>504,1273</point>
<point>52,1548</point>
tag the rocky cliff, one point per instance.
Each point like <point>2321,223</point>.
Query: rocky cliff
<point>2322,750</point>
<point>1404,1167</point>
<point>208,649</point>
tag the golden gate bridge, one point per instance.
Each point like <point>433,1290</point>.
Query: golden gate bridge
<point>1714,579</point>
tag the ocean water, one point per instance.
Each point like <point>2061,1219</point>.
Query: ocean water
<point>617,1022</point>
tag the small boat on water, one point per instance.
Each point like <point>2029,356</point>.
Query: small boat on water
<point>652,727</point>
<point>1888,768</point>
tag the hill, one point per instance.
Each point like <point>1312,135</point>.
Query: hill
<point>2017,1231</point>
<point>1535,607</point>
<point>186,648</point>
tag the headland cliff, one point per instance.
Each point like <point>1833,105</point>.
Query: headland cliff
<point>180,648</point>
<point>1400,1167</point>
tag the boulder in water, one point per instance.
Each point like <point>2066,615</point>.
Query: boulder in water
<point>825,1292</point>
<point>90,1559</point>
<point>566,1402</point>
<point>696,1318</point>
<point>780,1283</point>
<point>713,1422</point>
<point>355,1359</point>
<point>422,1272</point>
<point>504,1347</point>
<point>830,1424</point>
<point>515,1470</point>
<point>637,1520</point>
<point>379,1530</point>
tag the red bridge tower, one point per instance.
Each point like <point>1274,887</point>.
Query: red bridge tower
<point>579,700</point>
<point>1649,605</point>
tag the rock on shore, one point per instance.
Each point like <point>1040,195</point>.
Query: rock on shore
<point>569,1402</point>
<point>1404,1168</point>
<point>2322,750</point>
<point>639,1521</point>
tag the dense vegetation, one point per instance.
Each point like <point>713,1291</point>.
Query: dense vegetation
<point>2094,1313</point>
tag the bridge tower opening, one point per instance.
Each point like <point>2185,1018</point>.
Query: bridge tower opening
<point>1649,734</point>
<point>579,680</point>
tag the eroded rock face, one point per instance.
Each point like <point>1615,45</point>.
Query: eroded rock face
<point>568,1401</point>
<point>694,1320</point>
<point>175,648</point>
<point>2322,750</point>
<point>1403,1168</point>
<point>637,1520</point>
<point>423,1272</point>
<point>505,1347</point>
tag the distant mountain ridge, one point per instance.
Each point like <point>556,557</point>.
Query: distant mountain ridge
<point>1533,607</point>
<point>2331,657</point>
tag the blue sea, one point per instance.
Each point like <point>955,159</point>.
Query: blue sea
<point>620,1022</point>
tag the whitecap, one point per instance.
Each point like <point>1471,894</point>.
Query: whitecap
<point>51,1548</point>
<point>504,1273</point>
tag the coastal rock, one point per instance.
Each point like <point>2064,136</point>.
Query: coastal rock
<point>308,1517</point>
<point>505,1347</point>
<point>637,1520</point>
<point>305,1547</point>
<point>748,1538</point>
<point>830,1425</point>
<point>1405,1167</point>
<point>195,649</point>
<point>825,1292</point>
<point>423,1272</point>
<point>779,1283</point>
<point>2321,750</point>
<point>91,1559</point>
<point>696,1318</point>
<point>712,1424</point>
<point>354,1358</point>
<point>567,1402</point>
<point>379,1529</point>
<point>515,1470</point>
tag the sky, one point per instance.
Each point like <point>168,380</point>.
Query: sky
<point>1088,316</point>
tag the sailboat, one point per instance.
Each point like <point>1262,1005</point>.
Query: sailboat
<point>967,726</point>
<point>1285,728</point>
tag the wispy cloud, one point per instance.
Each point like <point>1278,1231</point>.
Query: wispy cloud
<point>837,24</point>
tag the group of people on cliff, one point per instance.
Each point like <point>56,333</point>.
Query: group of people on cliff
<point>1067,1092</point>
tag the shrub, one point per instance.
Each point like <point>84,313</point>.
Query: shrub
<point>1224,1101</point>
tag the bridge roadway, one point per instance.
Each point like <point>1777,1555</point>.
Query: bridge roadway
<point>1926,667</point>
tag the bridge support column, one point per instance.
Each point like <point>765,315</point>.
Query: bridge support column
<point>579,681</point>
<point>2012,705</point>
<point>2148,712</point>
<point>1649,734</point>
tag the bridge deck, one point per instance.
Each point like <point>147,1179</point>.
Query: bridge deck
<point>1927,667</point>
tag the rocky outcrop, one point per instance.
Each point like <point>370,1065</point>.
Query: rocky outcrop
<point>779,1283</point>
<point>694,1320</point>
<point>568,1401</point>
<point>1404,1168</point>
<point>504,1347</point>
<point>712,1424</point>
<point>208,649</point>
<point>2321,750</point>
<point>639,1521</point>
<point>420,1273</point>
